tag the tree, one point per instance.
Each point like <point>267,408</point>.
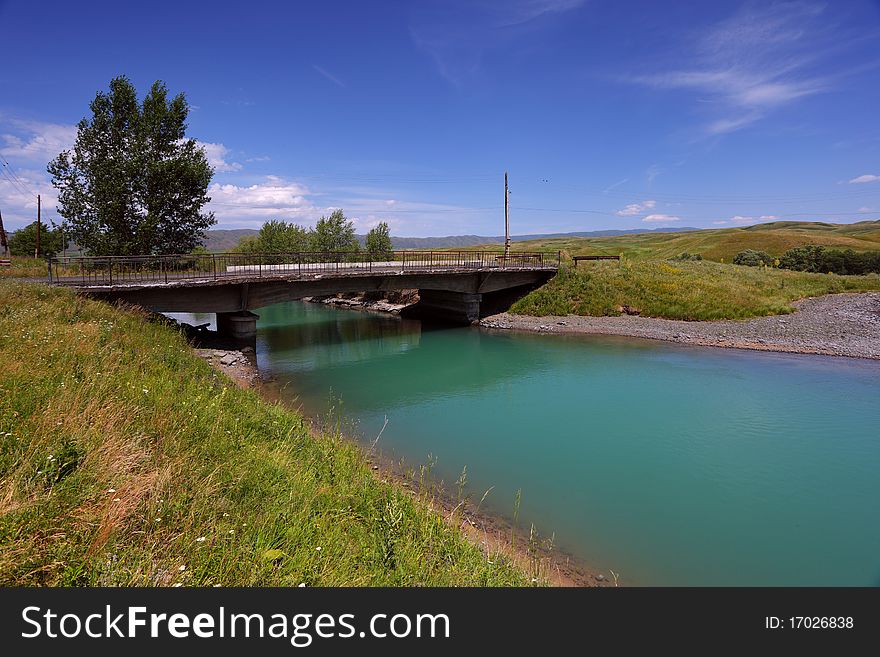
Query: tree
<point>276,236</point>
<point>334,233</point>
<point>23,242</point>
<point>379,241</point>
<point>133,183</point>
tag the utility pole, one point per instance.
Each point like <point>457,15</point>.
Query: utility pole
<point>37,249</point>
<point>4,244</point>
<point>506,218</point>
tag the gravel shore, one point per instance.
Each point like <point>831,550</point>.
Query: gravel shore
<point>834,325</point>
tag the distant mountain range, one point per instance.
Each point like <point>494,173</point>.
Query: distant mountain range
<point>226,239</point>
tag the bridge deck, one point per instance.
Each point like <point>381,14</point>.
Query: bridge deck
<point>207,269</point>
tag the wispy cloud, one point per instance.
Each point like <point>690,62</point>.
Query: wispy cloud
<point>760,59</point>
<point>35,141</point>
<point>868,177</point>
<point>327,74</point>
<point>456,33</point>
<point>615,185</point>
<point>634,209</point>
<point>655,218</point>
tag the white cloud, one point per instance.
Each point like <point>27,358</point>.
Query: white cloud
<point>768,217</point>
<point>19,201</point>
<point>274,198</point>
<point>217,154</point>
<point>752,63</point>
<point>865,209</point>
<point>720,223</point>
<point>35,141</point>
<point>636,208</point>
<point>868,177</point>
<point>660,217</point>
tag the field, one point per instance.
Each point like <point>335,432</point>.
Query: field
<point>126,460</point>
<point>681,290</point>
<point>716,244</point>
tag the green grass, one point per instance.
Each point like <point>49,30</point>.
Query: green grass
<point>682,290</point>
<point>24,267</point>
<point>716,244</point>
<point>126,460</point>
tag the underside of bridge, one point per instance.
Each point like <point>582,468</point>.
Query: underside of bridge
<point>458,297</point>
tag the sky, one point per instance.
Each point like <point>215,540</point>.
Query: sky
<point>607,114</point>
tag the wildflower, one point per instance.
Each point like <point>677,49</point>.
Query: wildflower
<point>231,531</point>
<point>318,549</point>
<point>182,568</point>
<point>145,391</point>
<point>302,585</point>
<point>158,519</point>
<point>111,490</point>
<point>177,584</point>
<point>200,539</point>
<point>117,499</point>
<point>225,515</point>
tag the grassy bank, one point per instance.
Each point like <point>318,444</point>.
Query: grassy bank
<point>126,460</point>
<point>682,290</point>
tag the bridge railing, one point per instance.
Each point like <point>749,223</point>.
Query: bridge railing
<point>161,269</point>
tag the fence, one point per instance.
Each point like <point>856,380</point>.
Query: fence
<point>118,270</point>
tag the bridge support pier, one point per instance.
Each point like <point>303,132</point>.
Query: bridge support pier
<point>446,306</point>
<point>241,325</point>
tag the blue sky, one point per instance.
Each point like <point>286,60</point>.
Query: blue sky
<point>607,114</point>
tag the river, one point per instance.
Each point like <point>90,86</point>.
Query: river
<point>671,465</point>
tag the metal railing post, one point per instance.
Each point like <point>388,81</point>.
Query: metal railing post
<point>49,265</point>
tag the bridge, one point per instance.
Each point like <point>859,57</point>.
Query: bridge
<point>455,286</point>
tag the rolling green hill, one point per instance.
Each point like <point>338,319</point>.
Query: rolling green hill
<point>717,244</point>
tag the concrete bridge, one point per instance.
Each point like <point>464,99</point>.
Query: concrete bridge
<point>455,286</point>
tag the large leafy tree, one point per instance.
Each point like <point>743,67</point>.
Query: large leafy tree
<point>133,183</point>
<point>334,233</point>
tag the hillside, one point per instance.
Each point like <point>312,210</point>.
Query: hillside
<point>717,244</point>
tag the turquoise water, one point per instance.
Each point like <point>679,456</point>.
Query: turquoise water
<point>670,465</point>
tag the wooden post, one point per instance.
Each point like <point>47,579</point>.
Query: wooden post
<point>506,218</point>
<point>37,248</point>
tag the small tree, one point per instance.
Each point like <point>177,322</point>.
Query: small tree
<point>379,241</point>
<point>334,233</point>
<point>133,184</point>
<point>23,242</point>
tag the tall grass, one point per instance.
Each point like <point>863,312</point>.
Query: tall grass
<point>24,267</point>
<point>682,290</point>
<point>126,460</point>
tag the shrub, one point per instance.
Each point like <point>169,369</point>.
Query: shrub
<point>688,256</point>
<point>752,258</point>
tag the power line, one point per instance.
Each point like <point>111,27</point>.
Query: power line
<point>15,179</point>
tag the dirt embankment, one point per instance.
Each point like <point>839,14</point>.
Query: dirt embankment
<point>833,325</point>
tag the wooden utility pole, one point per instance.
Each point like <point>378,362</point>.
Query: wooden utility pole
<point>37,248</point>
<point>506,217</point>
